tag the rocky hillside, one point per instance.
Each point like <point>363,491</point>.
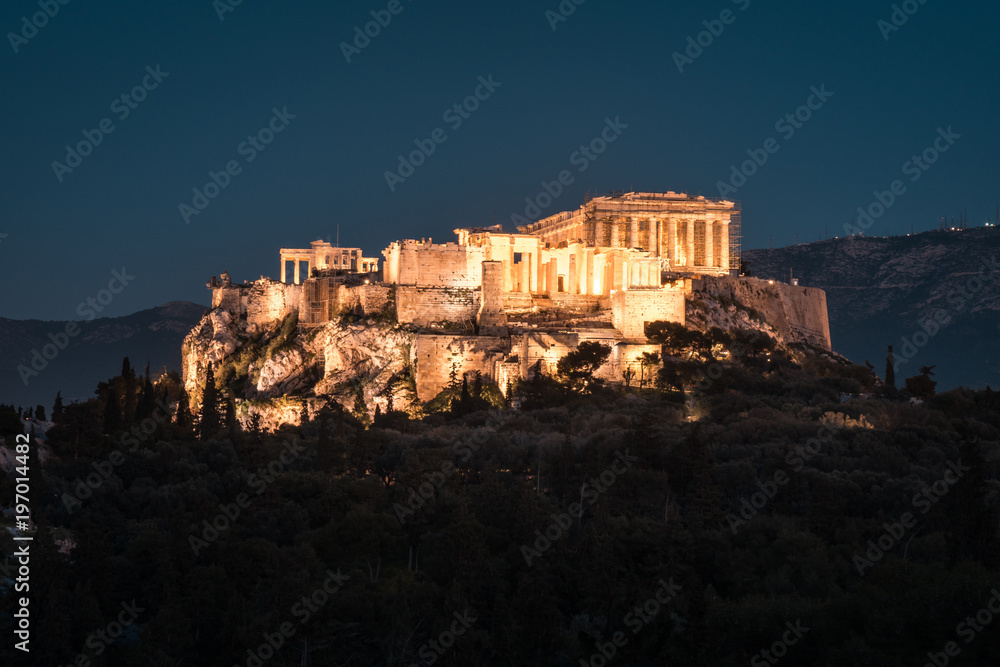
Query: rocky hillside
<point>283,371</point>
<point>94,353</point>
<point>880,289</point>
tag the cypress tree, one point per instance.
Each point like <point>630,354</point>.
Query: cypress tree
<point>57,408</point>
<point>208,424</point>
<point>890,371</point>
<point>183,411</point>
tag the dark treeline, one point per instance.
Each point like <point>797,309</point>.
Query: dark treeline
<point>736,490</point>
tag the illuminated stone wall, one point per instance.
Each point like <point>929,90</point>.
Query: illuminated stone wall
<point>270,301</point>
<point>631,310</point>
<point>426,306</point>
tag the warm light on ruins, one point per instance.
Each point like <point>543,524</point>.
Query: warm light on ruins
<point>504,303</point>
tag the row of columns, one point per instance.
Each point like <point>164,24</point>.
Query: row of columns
<point>676,240</point>
<point>295,273</point>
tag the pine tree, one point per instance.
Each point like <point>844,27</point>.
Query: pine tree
<point>208,424</point>
<point>890,371</point>
<point>40,413</point>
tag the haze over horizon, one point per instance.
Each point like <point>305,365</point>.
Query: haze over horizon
<point>211,78</point>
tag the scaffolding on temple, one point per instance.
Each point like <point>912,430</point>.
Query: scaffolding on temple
<point>735,238</point>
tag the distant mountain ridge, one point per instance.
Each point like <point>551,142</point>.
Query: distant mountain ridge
<point>934,296</point>
<point>93,354</point>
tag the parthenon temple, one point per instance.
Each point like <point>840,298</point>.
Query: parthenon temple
<point>323,256</point>
<point>688,234</point>
<point>609,244</point>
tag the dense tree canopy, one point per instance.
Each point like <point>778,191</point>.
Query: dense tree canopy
<point>773,491</point>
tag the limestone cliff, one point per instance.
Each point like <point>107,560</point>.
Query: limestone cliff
<point>283,372</point>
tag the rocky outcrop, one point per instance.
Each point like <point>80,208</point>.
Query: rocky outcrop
<point>283,372</point>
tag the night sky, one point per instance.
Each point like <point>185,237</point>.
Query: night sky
<point>216,75</point>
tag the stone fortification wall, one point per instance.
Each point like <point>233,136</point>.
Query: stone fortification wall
<point>434,265</point>
<point>798,313</point>
<point>324,299</point>
<point>232,298</point>
<point>270,301</point>
<point>491,314</point>
<point>632,309</point>
<point>433,356</point>
<point>427,306</point>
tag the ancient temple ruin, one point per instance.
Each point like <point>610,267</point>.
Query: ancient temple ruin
<point>505,304</point>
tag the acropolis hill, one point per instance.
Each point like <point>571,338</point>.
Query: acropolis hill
<point>500,303</point>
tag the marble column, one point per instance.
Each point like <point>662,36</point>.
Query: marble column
<point>689,259</point>
<point>633,235</point>
<point>709,243</point>
<point>672,241</point>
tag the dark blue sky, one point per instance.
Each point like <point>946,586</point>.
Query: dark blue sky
<point>685,130</point>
